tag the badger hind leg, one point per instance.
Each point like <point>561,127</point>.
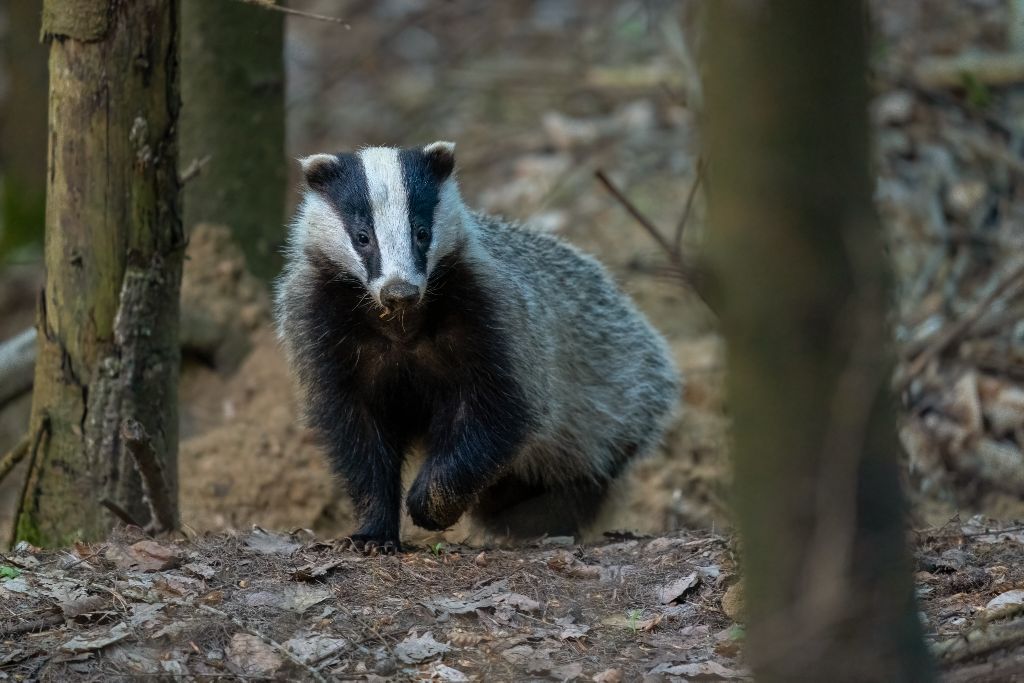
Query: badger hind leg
<point>522,509</point>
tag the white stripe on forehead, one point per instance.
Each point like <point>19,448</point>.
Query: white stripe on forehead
<point>389,203</point>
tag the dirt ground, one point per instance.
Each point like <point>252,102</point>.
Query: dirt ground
<point>260,605</point>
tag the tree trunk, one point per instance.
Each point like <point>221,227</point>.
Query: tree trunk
<point>233,111</point>
<point>22,128</point>
<point>801,281</point>
<point>108,319</point>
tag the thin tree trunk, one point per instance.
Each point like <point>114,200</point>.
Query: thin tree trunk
<point>22,127</point>
<point>108,319</point>
<point>801,289</point>
<point>233,112</point>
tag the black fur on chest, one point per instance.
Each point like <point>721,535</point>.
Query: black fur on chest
<point>403,368</point>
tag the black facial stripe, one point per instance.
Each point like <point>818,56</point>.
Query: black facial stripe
<point>345,186</point>
<point>423,189</point>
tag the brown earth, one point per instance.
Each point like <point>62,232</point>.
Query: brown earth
<point>259,605</point>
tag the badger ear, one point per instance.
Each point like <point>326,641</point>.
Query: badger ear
<point>440,158</point>
<point>318,169</point>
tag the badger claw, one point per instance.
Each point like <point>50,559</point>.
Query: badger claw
<point>370,545</point>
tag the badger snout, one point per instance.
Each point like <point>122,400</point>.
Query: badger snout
<point>399,294</point>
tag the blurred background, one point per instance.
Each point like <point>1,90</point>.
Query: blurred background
<point>540,95</point>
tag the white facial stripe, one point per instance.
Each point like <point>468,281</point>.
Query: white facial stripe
<point>390,205</point>
<point>318,223</point>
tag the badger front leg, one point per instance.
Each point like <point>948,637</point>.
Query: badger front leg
<point>470,443</point>
<point>372,468</point>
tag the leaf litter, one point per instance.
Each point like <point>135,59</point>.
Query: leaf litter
<point>255,605</point>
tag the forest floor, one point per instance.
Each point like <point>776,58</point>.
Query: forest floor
<point>262,605</point>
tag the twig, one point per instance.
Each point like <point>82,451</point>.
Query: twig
<point>673,253</point>
<point>154,485</point>
<point>33,625</point>
<point>677,242</point>
<point>269,4</point>
<point>952,333</point>
<point>120,513</point>
<point>641,219</point>
<point>954,72</point>
<point>14,456</point>
<point>314,674</point>
<point>194,168</point>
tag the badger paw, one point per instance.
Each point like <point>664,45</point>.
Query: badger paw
<point>371,544</point>
<point>431,507</point>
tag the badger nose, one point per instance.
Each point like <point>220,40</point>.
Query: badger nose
<point>399,294</point>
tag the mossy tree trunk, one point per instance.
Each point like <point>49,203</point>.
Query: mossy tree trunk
<point>22,128</point>
<point>108,318</point>
<point>801,278</point>
<point>233,111</point>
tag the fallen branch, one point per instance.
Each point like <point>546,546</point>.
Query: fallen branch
<point>954,332</point>
<point>154,484</point>
<point>14,456</point>
<point>269,4</point>
<point>17,365</point>
<point>955,72</point>
<point>313,673</point>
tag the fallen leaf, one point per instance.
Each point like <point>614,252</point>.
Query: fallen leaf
<point>706,671</point>
<point>96,639</point>
<point>674,590</point>
<point>293,597</point>
<point>518,654</point>
<point>568,564</point>
<point>315,648</point>
<point>1014,597</point>
<point>144,556</point>
<point>570,630</point>
<point>632,623</point>
<point>608,676</point>
<point>267,543</point>
<point>86,605</point>
<point>566,672</point>
<point>144,615</point>
<point>416,649</point>
<point>312,571</point>
<point>518,601</point>
<point>439,672</point>
<point>203,571</point>
<point>251,656</point>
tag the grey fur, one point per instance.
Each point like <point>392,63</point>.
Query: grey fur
<point>595,372</point>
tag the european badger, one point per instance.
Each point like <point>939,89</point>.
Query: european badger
<point>510,358</point>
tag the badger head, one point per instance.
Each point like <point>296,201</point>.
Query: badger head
<point>385,216</point>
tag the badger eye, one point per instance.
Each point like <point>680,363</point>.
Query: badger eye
<point>422,234</point>
<point>363,238</point>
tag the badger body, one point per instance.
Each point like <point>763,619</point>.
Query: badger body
<point>511,359</point>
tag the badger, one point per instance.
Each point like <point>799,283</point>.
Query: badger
<point>507,357</point>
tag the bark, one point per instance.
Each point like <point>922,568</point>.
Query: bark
<point>22,128</point>
<point>233,111</point>
<point>800,284</point>
<point>108,320</point>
